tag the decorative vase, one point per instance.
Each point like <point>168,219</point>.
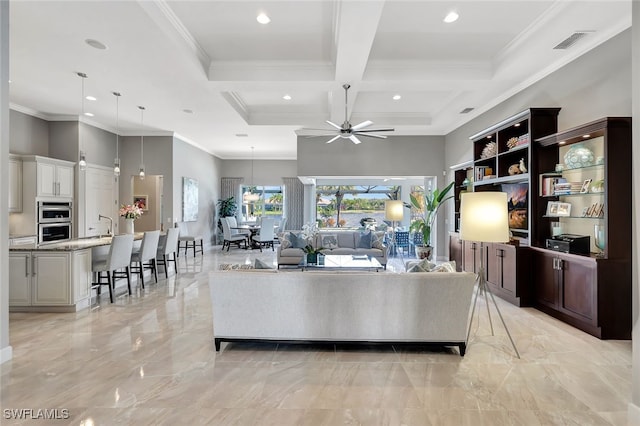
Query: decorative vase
<point>128,226</point>
<point>599,232</point>
<point>424,252</point>
<point>312,258</point>
<point>578,156</point>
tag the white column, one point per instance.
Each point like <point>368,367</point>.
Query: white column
<point>5,349</point>
<point>634,405</point>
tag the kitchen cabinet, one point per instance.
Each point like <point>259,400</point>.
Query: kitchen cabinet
<point>54,179</point>
<point>49,280</point>
<point>471,256</point>
<point>22,241</point>
<point>15,184</point>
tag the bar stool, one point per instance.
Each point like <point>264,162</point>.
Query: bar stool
<point>190,241</point>
<point>145,257</point>
<point>167,247</point>
<point>118,258</point>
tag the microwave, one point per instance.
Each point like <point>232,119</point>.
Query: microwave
<point>54,232</point>
<point>54,212</point>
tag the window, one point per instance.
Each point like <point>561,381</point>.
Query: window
<point>347,206</point>
<point>266,201</point>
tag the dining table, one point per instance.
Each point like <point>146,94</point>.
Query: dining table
<point>253,230</point>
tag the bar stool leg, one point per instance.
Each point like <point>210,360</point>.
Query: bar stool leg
<point>109,278</point>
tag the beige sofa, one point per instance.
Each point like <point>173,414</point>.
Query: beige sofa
<point>341,306</point>
<point>347,244</point>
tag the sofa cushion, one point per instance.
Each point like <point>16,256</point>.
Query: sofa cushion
<point>364,240</point>
<point>377,240</point>
<point>291,252</point>
<point>329,241</point>
<point>297,241</point>
<point>416,268</point>
<point>445,267</point>
<point>283,237</point>
<point>340,250</point>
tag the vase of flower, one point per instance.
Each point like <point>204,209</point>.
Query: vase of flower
<point>130,213</point>
<point>128,226</point>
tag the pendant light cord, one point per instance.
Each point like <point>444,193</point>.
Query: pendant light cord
<point>141,136</point>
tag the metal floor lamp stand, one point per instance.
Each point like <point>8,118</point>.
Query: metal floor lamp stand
<point>394,245</point>
<point>484,288</point>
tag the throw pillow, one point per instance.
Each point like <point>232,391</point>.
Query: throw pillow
<point>445,267</point>
<point>416,268</point>
<point>259,264</point>
<point>284,240</point>
<point>377,240</point>
<point>329,241</point>
<point>364,241</point>
<point>426,265</point>
<point>297,241</point>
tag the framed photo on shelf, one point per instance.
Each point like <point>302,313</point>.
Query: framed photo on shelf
<point>142,201</point>
<point>564,209</point>
<point>552,208</point>
<point>585,186</point>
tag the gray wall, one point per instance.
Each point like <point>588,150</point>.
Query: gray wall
<point>191,162</point>
<point>158,159</point>
<point>63,140</point>
<point>28,135</point>
<point>265,172</point>
<point>98,145</point>
<point>395,156</point>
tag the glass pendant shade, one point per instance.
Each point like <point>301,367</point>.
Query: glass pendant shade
<point>116,161</point>
<point>116,167</point>
<point>82,163</point>
<point>141,173</point>
<point>142,170</point>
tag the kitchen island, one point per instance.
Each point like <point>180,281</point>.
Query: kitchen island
<point>54,277</point>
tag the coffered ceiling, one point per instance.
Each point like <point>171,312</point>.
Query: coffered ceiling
<point>214,59</point>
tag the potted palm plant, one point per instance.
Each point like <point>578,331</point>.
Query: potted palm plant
<point>428,205</point>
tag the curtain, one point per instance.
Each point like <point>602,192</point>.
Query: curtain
<point>293,202</point>
<point>230,187</point>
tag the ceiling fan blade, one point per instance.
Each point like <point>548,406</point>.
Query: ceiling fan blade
<point>334,138</point>
<point>333,124</point>
<point>362,125</point>
<point>378,130</point>
<point>354,139</point>
<point>371,135</point>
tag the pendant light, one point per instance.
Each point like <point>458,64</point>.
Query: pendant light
<point>141,174</point>
<point>249,196</point>
<point>82,162</point>
<point>116,161</point>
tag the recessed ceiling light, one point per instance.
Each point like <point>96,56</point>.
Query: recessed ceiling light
<point>562,142</point>
<point>263,19</point>
<point>287,97</point>
<point>96,44</point>
<point>586,136</point>
<point>91,98</point>
<point>187,111</point>
<point>88,114</point>
<point>397,97</point>
<point>516,125</point>
<point>451,17</point>
<point>242,135</point>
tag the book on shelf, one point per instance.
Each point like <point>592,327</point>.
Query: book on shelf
<point>480,172</point>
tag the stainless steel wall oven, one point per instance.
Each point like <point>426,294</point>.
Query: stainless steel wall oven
<point>55,221</point>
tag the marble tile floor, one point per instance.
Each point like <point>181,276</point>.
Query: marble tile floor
<point>149,359</point>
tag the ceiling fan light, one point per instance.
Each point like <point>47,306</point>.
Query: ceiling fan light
<point>397,97</point>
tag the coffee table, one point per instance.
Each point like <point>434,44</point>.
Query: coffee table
<point>343,262</point>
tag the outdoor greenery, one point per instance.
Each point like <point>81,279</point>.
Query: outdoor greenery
<point>428,204</point>
<point>331,202</point>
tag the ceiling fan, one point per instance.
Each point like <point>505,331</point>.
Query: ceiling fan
<point>347,131</point>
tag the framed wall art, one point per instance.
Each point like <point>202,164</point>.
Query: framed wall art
<point>189,199</point>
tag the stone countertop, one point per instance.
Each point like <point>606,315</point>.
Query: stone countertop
<point>72,245</point>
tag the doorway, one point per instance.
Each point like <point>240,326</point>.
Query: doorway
<point>148,192</point>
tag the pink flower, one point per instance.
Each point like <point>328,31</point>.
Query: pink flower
<point>130,211</point>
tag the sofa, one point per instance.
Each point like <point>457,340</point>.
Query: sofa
<point>334,243</point>
<point>272,305</point>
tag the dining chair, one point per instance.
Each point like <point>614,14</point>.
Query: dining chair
<point>233,223</point>
<point>118,258</point>
<point>190,241</point>
<point>265,237</point>
<point>230,238</point>
<point>282,226</point>
<point>167,247</point>
<point>145,256</point>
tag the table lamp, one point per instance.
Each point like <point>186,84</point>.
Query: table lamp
<point>394,212</point>
<point>484,217</point>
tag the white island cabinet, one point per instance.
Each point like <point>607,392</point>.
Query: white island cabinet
<point>52,281</point>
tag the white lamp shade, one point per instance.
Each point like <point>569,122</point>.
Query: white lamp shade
<point>393,210</point>
<point>484,217</point>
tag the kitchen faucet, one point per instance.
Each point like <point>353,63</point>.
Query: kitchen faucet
<point>110,228</point>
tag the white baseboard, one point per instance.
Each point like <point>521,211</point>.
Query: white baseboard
<point>633,414</point>
<point>6,354</point>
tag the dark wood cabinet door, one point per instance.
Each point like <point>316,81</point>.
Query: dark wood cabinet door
<point>578,288</point>
<point>471,257</point>
<point>506,256</point>
<point>494,265</point>
<point>455,250</point>
<point>546,281</point>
